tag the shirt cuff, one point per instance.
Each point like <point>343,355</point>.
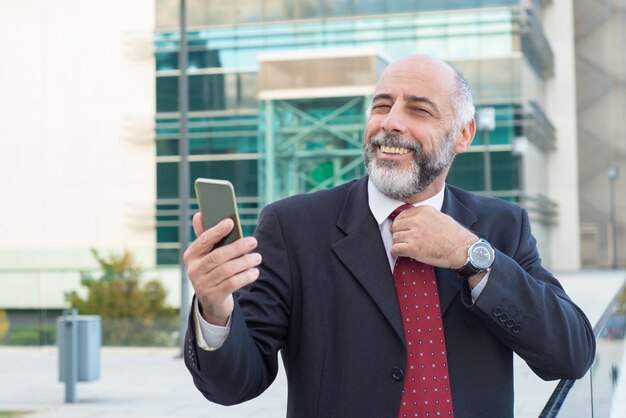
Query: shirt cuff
<point>478,289</point>
<point>209,337</point>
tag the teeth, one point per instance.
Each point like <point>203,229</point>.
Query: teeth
<point>393,150</point>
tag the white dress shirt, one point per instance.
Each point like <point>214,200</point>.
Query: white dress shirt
<point>211,337</point>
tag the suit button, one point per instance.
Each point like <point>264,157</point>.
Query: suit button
<point>516,329</point>
<point>510,323</point>
<point>503,318</point>
<point>397,374</point>
<point>497,311</point>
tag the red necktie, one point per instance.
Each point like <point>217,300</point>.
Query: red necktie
<point>426,390</point>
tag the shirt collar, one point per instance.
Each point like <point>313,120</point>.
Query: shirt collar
<point>381,206</point>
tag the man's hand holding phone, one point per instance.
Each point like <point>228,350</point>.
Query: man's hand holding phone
<point>219,261</point>
<point>217,272</point>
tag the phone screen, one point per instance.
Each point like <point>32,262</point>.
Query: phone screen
<point>216,199</point>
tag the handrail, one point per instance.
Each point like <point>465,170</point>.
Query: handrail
<point>560,394</point>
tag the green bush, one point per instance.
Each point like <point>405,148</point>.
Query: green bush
<point>31,335</point>
<point>132,312</point>
<point>5,325</point>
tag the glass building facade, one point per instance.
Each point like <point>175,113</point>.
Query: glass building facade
<point>272,133</point>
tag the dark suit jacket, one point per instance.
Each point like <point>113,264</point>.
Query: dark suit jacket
<point>325,298</point>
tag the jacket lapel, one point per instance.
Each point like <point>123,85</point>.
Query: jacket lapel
<point>447,282</point>
<point>363,253</point>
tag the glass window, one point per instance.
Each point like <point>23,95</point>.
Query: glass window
<point>249,11</point>
<point>166,60</point>
<point>306,9</point>
<point>167,14</point>
<point>338,8</point>
<point>396,6</point>
<point>204,59</point>
<point>247,91</point>
<point>167,94</point>
<point>197,12</point>
<point>167,180</point>
<point>467,172</point>
<point>364,7</point>
<point>220,12</point>
<point>168,233</point>
<point>165,256</point>
<point>207,92</point>
<point>242,173</point>
<point>277,10</point>
<point>167,147</point>
<point>504,171</point>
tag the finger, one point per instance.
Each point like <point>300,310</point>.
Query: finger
<point>232,268</point>
<point>198,224</point>
<point>236,282</point>
<point>215,293</point>
<point>401,249</point>
<point>199,264</point>
<point>207,239</point>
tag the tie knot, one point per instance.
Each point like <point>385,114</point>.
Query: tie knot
<point>399,210</point>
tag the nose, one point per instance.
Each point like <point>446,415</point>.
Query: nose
<point>394,122</point>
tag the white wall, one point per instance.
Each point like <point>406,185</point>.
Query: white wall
<point>563,163</point>
<point>77,159</point>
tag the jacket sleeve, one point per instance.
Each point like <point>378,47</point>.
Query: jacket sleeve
<point>247,363</point>
<point>527,309</point>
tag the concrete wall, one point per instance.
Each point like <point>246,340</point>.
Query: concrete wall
<point>563,163</point>
<point>77,160</point>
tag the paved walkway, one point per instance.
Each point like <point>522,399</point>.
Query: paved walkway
<point>140,382</point>
<point>146,382</point>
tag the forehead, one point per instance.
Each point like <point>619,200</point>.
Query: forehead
<point>418,77</point>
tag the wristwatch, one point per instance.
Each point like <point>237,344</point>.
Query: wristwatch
<point>480,258</point>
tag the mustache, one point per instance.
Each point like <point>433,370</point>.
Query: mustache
<point>383,139</point>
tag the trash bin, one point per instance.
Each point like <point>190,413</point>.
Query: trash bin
<point>88,343</point>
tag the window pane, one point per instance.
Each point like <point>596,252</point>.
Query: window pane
<point>277,9</point>
<point>167,94</point>
<point>338,8</point>
<point>207,92</point>
<point>167,14</point>
<point>504,171</point>
<point>167,180</point>
<point>363,7</point>
<point>307,9</point>
<point>242,173</point>
<point>167,256</point>
<point>220,12</point>
<point>247,90</point>
<point>467,172</point>
<point>249,11</point>
<point>166,60</point>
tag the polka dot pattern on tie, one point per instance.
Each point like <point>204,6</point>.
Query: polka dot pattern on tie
<point>426,391</point>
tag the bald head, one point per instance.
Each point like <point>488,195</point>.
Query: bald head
<point>446,80</point>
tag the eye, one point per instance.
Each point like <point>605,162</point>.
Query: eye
<point>421,110</point>
<point>380,106</point>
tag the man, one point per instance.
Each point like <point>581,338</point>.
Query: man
<point>327,284</point>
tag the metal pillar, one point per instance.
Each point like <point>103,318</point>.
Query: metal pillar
<point>183,171</point>
<point>486,123</point>
<point>70,355</point>
<point>613,176</point>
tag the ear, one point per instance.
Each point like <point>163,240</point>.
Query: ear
<point>465,137</point>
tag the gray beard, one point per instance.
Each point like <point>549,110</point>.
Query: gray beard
<point>401,184</point>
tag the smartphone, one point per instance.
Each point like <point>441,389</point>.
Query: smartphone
<point>216,199</point>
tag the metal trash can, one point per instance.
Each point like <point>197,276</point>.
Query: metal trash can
<point>88,340</point>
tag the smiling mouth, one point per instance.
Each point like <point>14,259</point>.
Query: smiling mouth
<point>394,150</point>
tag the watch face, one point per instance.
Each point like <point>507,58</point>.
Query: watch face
<point>482,255</point>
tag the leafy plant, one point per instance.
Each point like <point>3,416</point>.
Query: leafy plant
<point>5,325</point>
<point>133,312</point>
